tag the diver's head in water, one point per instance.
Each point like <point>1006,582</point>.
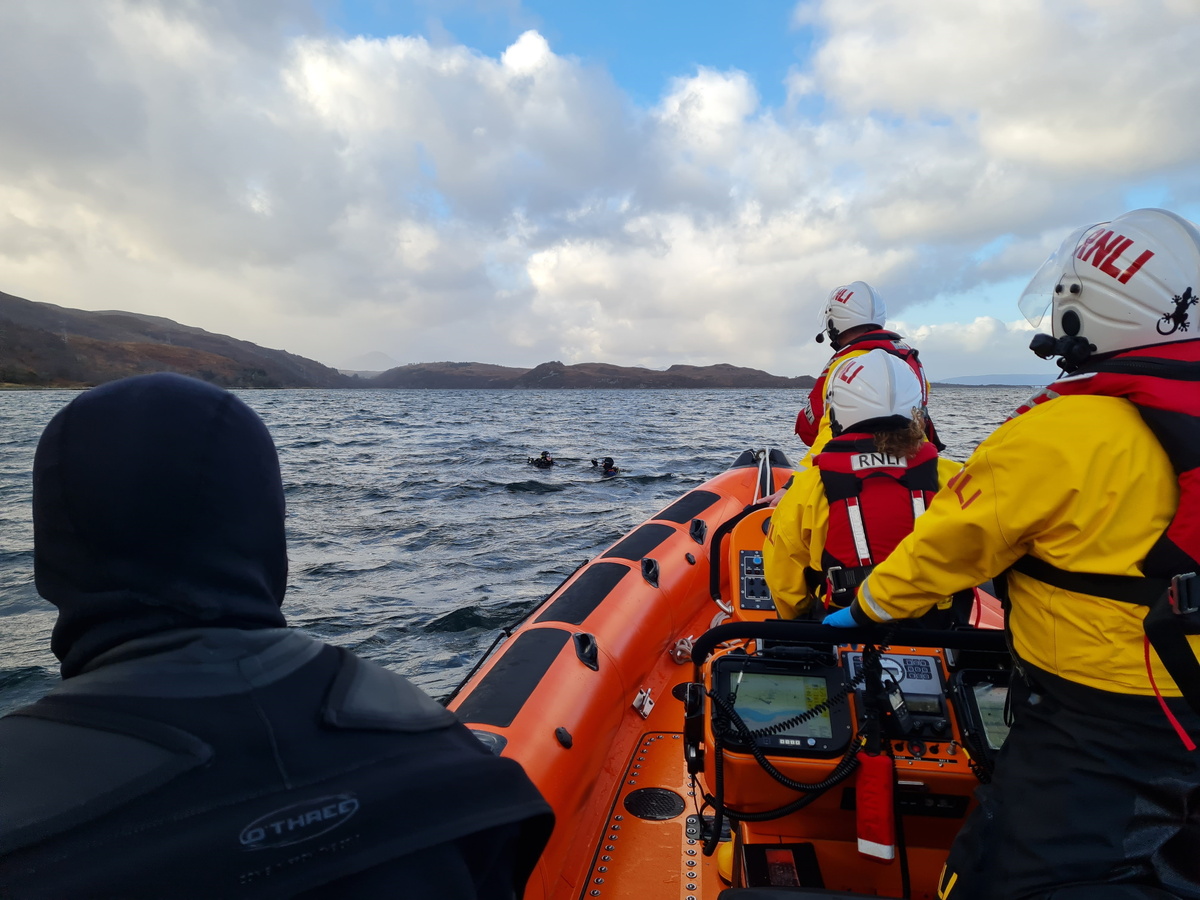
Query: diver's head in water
<point>157,505</point>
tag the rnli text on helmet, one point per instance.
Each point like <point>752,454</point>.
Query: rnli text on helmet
<point>1101,248</point>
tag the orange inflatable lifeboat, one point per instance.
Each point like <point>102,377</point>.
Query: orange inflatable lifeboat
<point>616,694</point>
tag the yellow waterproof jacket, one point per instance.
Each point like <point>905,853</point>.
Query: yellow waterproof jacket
<point>1079,482</point>
<point>796,538</point>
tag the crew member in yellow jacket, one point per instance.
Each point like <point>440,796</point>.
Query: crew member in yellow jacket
<point>876,474</point>
<point>1077,497</point>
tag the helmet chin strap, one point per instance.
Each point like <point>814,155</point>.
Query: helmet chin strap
<point>1074,349</point>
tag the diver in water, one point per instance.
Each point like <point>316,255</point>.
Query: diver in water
<point>871,480</point>
<point>543,461</point>
<point>1084,505</point>
<point>197,746</point>
<point>853,318</point>
<point>607,467</point>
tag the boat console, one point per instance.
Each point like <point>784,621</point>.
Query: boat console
<point>792,709</point>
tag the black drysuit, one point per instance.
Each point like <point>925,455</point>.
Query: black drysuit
<point>196,746</point>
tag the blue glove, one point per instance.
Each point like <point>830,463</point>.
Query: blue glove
<point>842,618</point>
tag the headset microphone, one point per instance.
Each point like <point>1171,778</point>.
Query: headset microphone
<point>821,338</point>
<point>1073,348</point>
<point>1044,345</point>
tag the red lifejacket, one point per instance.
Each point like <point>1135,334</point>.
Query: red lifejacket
<point>874,499</point>
<point>808,420</point>
<point>1163,382</point>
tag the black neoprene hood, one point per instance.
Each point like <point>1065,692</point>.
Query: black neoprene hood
<point>157,505</point>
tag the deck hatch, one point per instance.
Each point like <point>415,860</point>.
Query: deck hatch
<point>688,506</point>
<point>658,804</point>
<point>640,542</point>
<point>587,592</point>
<point>501,693</point>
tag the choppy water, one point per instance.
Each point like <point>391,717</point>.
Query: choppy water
<point>417,530</point>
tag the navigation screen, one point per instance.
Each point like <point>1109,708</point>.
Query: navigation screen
<point>990,699</point>
<point>764,699</point>
<point>923,704</point>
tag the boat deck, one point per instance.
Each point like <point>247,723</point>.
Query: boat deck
<point>651,847</point>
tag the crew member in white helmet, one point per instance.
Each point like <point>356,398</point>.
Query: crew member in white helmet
<point>1085,502</point>
<point>853,317</point>
<point>869,483</point>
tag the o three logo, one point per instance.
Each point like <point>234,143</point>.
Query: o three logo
<point>843,295</point>
<point>299,822</point>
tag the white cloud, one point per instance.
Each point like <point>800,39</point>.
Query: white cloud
<point>231,166</point>
<point>528,53</point>
<point>986,346</point>
<point>1051,84</point>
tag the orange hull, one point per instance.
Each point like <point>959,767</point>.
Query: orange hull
<point>581,696</point>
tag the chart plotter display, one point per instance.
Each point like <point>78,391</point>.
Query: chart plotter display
<point>764,699</point>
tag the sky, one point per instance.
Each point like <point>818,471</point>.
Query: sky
<point>518,181</point>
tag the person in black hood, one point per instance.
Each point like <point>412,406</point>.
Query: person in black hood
<point>197,747</point>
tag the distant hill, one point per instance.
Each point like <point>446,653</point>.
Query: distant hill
<point>581,375</point>
<point>1031,380</point>
<point>46,345</point>
<point>448,375</point>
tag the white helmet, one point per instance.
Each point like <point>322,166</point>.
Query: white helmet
<point>1118,285</point>
<point>848,307</point>
<point>876,385</point>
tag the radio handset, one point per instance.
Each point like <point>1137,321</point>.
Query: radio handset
<point>896,720</point>
<point>883,701</point>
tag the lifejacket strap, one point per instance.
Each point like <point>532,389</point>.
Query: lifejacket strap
<point>1170,642</point>
<point>846,581</point>
<point>1123,588</point>
<point>1162,626</point>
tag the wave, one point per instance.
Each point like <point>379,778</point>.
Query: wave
<point>533,487</point>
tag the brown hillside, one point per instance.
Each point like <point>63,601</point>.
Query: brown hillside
<point>448,375</point>
<point>47,345</point>
<point>51,346</point>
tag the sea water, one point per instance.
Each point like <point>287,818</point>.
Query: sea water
<point>417,531</point>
